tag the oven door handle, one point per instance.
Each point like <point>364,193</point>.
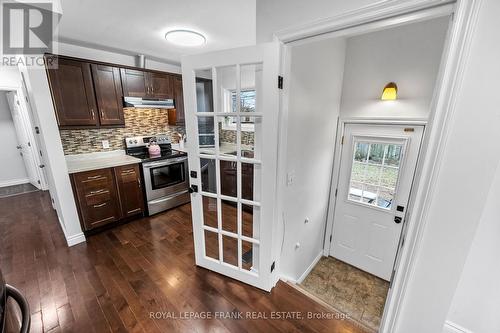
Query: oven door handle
<point>163,163</point>
<point>162,199</point>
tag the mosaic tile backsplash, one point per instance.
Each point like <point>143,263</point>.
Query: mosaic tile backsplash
<point>138,121</point>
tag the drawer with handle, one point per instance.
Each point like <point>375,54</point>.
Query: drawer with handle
<point>100,214</point>
<point>97,197</point>
<point>92,181</point>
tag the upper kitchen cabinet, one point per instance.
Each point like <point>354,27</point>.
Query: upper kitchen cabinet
<point>73,93</point>
<point>135,83</point>
<point>142,83</point>
<point>160,85</point>
<point>108,90</point>
<point>88,93</point>
<point>179,101</point>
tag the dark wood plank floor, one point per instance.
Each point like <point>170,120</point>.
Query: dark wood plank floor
<point>119,277</point>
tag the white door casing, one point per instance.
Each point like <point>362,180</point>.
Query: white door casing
<point>23,139</point>
<point>232,225</point>
<point>376,174</point>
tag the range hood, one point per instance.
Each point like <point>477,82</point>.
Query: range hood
<point>149,103</point>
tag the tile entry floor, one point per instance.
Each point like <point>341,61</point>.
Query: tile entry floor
<point>349,290</point>
<point>9,191</point>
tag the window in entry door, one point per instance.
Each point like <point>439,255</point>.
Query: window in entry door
<point>374,173</point>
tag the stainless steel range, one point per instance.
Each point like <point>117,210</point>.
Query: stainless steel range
<point>165,177</point>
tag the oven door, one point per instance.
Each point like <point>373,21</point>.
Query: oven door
<point>166,177</point>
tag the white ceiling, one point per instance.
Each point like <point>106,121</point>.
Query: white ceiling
<point>139,27</point>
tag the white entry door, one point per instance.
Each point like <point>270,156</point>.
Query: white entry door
<point>231,104</point>
<point>376,174</point>
<point>24,143</point>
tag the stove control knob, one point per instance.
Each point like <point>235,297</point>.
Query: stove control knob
<point>135,141</point>
<point>130,141</point>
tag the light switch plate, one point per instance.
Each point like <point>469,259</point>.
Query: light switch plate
<point>105,144</point>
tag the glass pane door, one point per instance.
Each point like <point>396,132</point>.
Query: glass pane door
<point>232,103</point>
<point>230,167</point>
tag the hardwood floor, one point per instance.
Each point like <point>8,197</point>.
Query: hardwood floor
<point>134,278</point>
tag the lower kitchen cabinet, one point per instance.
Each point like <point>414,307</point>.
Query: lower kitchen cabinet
<point>228,171</point>
<point>107,195</point>
<point>128,180</point>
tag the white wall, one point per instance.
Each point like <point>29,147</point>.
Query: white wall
<point>409,55</point>
<point>476,302</point>
<point>315,87</point>
<point>9,78</point>
<point>112,57</point>
<point>275,15</point>
<point>12,169</point>
<point>468,168</point>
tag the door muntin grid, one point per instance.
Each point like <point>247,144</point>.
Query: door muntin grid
<point>375,172</point>
<point>236,126</point>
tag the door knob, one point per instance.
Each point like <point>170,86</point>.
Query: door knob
<point>19,147</point>
<point>193,189</point>
<point>398,219</point>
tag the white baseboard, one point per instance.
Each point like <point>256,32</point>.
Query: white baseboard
<point>285,278</point>
<point>73,239</point>
<point>13,182</point>
<point>76,239</point>
<point>310,268</point>
<point>450,327</point>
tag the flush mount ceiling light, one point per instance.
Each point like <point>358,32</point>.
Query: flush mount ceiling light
<point>185,37</point>
<point>390,92</point>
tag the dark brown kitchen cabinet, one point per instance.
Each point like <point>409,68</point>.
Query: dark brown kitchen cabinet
<point>73,93</point>
<point>107,195</point>
<point>161,85</point>
<point>128,180</point>
<point>96,197</point>
<point>247,181</point>
<point>134,82</point>
<point>179,101</point>
<point>108,90</point>
<point>229,179</point>
<point>142,83</point>
<point>89,94</point>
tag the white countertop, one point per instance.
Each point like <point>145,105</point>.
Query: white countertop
<point>94,161</point>
<point>177,147</point>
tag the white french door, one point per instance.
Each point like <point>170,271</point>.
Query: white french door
<point>376,173</point>
<point>232,103</point>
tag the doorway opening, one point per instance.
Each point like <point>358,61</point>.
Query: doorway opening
<point>22,169</point>
<point>374,146</point>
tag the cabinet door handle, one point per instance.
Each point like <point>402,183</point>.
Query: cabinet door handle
<point>139,182</point>
<point>101,205</point>
<point>98,191</point>
<point>94,177</point>
<point>102,114</point>
<point>129,171</point>
<point>93,113</point>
